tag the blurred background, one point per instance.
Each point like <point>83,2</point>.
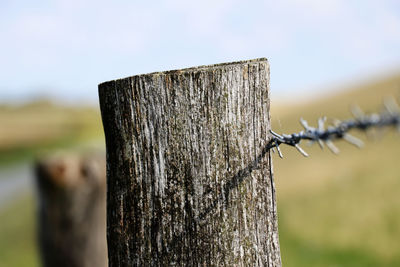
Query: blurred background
<point>324,55</point>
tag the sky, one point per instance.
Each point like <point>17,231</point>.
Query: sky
<point>64,48</point>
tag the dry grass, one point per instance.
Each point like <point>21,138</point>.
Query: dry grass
<point>29,129</point>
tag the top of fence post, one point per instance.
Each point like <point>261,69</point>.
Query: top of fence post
<point>186,182</point>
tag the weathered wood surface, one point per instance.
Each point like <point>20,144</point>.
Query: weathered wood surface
<point>72,210</point>
<point>188,182</point>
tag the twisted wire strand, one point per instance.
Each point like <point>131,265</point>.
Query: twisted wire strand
<point>390,116</point>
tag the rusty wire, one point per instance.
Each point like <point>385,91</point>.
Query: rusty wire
<point>390,116</point>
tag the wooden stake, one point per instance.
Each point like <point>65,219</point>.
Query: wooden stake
<point>72,210</point>
<point>185,184</point>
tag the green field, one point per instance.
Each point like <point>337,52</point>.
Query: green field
<point>339,210</point>
<point>333,210</point>
<point>18,235</point>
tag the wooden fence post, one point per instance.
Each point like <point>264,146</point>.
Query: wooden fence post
<point>72,210</point>
<point>188,181</point>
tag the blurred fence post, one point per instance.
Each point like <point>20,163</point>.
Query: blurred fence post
<point>186,183</point>
<point>72,210</point>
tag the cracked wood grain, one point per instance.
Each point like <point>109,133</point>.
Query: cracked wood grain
<point>188,181</point>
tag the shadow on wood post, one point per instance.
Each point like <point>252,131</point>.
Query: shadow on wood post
<point>188,181</point>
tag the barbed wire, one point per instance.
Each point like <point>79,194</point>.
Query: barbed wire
<point>390,116</point>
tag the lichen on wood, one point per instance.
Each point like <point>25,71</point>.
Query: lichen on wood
<point>188,182</point>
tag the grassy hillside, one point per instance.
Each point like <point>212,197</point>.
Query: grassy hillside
<point>339,210</point>
<point>32,128</point>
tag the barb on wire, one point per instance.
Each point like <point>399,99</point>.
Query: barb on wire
<point>389,117</point>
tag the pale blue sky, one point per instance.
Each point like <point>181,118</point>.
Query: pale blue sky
<point>64,48</point>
